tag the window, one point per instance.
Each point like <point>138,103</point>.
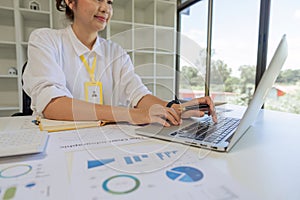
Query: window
<point>285,19</point>
<point>234,50</point>
<point>192,50</point>
<point>234,45</point>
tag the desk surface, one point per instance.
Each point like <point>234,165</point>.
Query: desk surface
<point>266,160</point>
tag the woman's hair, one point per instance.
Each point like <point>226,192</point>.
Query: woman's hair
<point>62,6</point>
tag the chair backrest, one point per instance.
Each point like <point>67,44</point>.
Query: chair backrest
<point>26,110</point>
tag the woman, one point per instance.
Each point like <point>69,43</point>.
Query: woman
<point>73,74</point>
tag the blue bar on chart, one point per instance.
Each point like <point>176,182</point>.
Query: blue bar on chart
<point>130,160</point>
<point>168,154</point>
<point>98,163</point>
<point>137,159</point>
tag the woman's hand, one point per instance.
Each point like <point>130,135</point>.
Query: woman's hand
<point>155,114</point>
<point>196,113</point>
<point>158,113</point>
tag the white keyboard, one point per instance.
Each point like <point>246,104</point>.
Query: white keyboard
<point>22,142</point>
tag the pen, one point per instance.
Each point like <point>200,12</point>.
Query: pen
<point>195,107</point>
<point>36,122</point>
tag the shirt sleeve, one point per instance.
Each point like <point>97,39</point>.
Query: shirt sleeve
<point>43,77</point>
<point>131,84</point>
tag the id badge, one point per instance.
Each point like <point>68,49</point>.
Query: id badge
<point>93,92</point>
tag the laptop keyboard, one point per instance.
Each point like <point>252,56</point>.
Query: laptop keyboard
<point>208,131</point>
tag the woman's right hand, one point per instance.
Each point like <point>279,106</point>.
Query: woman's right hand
<point>155,114</point>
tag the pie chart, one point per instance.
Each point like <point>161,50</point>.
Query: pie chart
<point>184,174</point>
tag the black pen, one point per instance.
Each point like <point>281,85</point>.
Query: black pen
<point>195,107</point>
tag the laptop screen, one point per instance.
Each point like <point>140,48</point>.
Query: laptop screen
<point>265,84</point>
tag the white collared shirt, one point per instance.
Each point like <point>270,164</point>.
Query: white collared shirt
<point>54,69</point>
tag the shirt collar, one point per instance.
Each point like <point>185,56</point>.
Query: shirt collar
<point>80,48</point>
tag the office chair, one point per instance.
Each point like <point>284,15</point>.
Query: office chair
<point>26,100</point>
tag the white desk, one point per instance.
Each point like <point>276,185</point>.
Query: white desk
<point>266,160</point>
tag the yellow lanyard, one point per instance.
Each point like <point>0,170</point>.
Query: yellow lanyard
<point>90,70</point>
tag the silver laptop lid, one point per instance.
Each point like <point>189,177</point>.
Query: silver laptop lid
<point>262,90</point>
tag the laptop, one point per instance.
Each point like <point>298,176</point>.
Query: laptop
<point>222,136</point>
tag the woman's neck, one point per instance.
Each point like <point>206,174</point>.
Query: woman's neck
<point>86,37</point>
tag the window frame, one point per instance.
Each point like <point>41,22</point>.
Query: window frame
<point>262,45</point>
